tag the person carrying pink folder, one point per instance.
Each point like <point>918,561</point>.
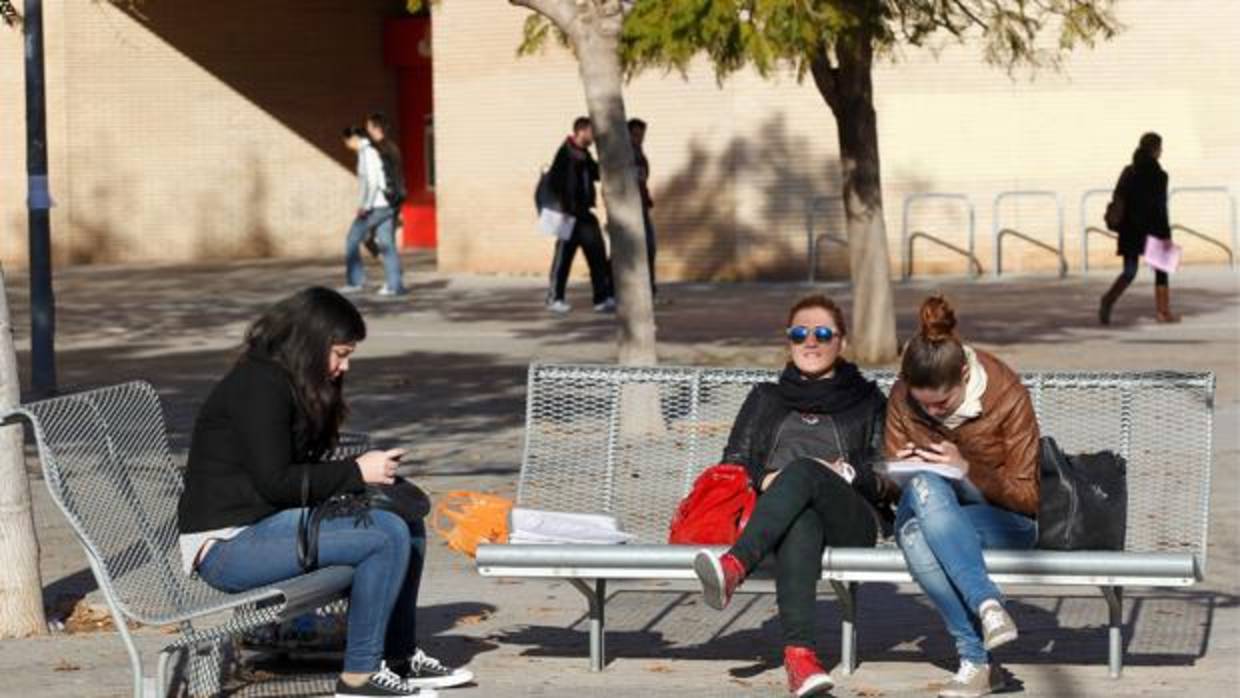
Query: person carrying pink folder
<point>1138,212</point>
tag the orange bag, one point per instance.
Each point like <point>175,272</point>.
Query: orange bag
<point>464,519</point>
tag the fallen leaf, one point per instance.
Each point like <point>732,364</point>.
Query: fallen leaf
<point>65,665</point>
<point>473,618</point>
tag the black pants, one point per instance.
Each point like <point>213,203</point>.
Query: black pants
<point>587,236</point>
<point>1130,271</point>
<point>654,289</point>
<point>807,508</point>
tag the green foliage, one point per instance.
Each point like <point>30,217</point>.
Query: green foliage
<point>770,33</point>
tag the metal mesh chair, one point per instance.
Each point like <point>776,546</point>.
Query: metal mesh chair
<point>630,441</point>
<point>107,465</point>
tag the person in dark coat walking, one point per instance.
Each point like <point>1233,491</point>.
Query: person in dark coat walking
<point>1142,193</point>
<point>571,180</point>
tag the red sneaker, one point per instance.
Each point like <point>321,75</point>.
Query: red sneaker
<point>719,575</point>
<point>806,677</point>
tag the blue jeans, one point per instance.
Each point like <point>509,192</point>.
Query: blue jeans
<point>942,538</point>
<point>383,222</point>
<point>387,558</point>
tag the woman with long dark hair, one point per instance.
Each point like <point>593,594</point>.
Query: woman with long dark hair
<point>1142,191</point>
<point>966,411</point>
<point>267,425</point>
<point>809,443</point>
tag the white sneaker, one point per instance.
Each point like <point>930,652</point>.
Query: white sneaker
<point>385,291</point>
<point>974,680</point>
<point>559,307</point>
<point>607,306</point>
<point>426,672</point>
<point>998,628</point>
<point>350,288</point>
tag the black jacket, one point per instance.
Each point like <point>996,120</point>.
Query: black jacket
<point>571,178</point>
<point>752,440</point>
<point>244,460</point>
<point>1143,188</point>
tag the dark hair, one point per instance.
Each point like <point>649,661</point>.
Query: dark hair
<point>297,334</point>
<point>351,131</point>
<point>820,301</point>
<point>1149,143</point>
<point>934,357</point>
<point>637,123</point>
<point>380,120</point>
<point>581,123</point>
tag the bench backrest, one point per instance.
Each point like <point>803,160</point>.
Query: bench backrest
<point>107,464</point>
<point>630,441</point>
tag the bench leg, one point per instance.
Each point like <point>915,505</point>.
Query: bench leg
<point>847,595</point>
<point>1115,639</point>
<point>597,600</point>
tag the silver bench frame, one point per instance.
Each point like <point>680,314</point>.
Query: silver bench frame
<point>112,438</point>
<point>588,568</point>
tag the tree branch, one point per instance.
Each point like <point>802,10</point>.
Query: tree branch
<point>562,13</point>
<point>825,76</point>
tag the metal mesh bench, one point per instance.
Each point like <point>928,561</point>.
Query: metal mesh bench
<point>630,441</point>
<point>107,464</point>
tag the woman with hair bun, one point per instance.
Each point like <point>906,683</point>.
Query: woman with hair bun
<point>961,407</point>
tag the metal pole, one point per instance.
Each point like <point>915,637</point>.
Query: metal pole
<point>39,202</point>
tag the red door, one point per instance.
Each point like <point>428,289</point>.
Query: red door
<point>407,49</point>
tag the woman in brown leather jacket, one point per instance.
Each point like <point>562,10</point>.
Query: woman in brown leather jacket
<point>964,410</point>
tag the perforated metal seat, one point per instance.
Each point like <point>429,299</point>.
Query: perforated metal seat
<point>630,441</point>
<point>106,462</point>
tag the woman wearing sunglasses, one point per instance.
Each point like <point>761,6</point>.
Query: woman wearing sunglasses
<point>961,407</point>
<point>809,443</point>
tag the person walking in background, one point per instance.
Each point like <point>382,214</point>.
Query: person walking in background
<point>374,213</point>
<point>637,133</point>
<point>1141,198</point>
<point>571,181</point>
<point>962,408</point>
<point>379,129</point>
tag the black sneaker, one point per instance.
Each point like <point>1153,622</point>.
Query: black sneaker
<point>424,671</point>
<point>384,682</point>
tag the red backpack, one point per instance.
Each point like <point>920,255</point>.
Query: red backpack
<point>716,509</point>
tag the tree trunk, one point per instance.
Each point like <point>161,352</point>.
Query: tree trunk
<point>848,89</point>
<point>21,589</point>
<point>594,28</point>
<point>598,57</point>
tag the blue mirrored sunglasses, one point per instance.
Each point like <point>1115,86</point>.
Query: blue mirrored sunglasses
<point>799,333</point>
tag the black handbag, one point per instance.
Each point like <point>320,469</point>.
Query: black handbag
<point>402,498</point>
<point>1084,501</point>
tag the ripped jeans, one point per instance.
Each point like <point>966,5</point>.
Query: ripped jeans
<point>942,534</point>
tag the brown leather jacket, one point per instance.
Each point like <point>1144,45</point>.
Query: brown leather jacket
<point>1001,444</point>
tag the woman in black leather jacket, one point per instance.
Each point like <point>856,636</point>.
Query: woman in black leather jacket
<point>809,443</point>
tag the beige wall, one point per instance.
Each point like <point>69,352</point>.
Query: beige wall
<point>733,167</point>
<point>183,131</point>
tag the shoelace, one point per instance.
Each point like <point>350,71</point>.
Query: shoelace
<point>387,678</point>
<point>967,672</point>
<point>992,620</point>
<point>422,661</point>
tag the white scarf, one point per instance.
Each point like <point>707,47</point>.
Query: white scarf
<point>971,406</point>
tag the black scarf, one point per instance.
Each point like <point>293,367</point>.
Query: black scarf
<point>843,390</point>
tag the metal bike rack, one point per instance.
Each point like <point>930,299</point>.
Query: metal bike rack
<point>999,232</point>
<point>815,207</point>
<point>1231,200</point>
<point>906,240</point>
<point>1087,230</point>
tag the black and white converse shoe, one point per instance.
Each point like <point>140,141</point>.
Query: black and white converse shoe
<point>384,682</point>
<point>424,671</point>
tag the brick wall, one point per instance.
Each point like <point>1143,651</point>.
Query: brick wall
<point>186,131</point>
<point>735,166</point>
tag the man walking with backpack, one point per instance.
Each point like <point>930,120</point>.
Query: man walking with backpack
<point>374,214</point>
<point>571,183</point>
